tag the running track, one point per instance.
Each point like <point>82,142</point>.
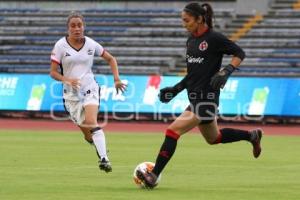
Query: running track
<point>134,127</point>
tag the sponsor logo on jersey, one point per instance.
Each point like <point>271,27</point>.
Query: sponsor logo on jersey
<point>203,46</point>
<point>67,54</point>
<point>191,59</point>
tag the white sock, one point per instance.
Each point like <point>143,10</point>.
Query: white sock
<point>99,142</point>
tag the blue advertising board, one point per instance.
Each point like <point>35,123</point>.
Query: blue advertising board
<point>241,95</point>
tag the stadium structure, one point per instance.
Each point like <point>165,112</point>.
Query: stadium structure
<point>148,40</point>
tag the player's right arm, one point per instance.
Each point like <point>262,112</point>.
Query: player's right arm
<point>75,83</point>
<point>56,57</point>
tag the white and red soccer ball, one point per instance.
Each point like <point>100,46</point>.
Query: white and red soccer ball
<point>144,167</point>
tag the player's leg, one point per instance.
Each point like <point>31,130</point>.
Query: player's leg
<point>76,112</point>
<point>87,134</point>
<point>185,122</point>
<point>210,132</point>
<point>213,135</point>
<point>86,119</point>
<point>97,135</point>
<point>88,137</point>
<point>207,111</point>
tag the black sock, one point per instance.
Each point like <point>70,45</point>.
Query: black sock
<point>233,135</point>
<point>166,151</point>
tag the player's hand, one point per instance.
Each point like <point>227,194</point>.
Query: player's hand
<point>74,83</point>
<point>167,94</point>
<point>120,86</point>
<point>219,80</point>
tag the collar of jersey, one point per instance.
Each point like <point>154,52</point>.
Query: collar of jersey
<point>201,33</point>
<point>74,47</point>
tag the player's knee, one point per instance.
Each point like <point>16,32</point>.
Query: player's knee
<point>89,122</point>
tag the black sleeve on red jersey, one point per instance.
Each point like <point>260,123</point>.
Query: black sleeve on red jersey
<point>228,47</point>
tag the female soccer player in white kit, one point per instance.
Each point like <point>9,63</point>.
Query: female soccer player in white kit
<point>74,55</point>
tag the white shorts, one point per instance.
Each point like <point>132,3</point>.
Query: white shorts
<point>89,96</point>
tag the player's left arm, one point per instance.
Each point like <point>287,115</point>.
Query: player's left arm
<point>111,60</point>
<point>226,46</point>
<point>229,47</point>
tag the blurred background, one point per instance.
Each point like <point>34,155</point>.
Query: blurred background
<point>148,41</point>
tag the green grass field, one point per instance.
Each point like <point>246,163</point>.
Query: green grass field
<point>60,165</point>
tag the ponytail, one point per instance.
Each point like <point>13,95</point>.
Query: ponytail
<point>209,13</point>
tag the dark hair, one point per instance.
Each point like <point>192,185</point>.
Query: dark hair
<point>205,10</point>
<point>74,14</point>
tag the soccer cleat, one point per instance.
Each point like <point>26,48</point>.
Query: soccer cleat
<point>148,178</point>
<point>105,165</point>
<point>256,136</point>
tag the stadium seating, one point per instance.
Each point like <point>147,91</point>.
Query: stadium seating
<point>273,45</point>
<point>148,41</point>
<point>143,41</point>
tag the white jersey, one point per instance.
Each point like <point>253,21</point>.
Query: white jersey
<point>76,64</point>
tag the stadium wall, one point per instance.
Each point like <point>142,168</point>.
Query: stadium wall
<point>252,97</point>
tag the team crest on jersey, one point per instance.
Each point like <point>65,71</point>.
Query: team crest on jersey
<point>203,46</point>
<point>90,52</point>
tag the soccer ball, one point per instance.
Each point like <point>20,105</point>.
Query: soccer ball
<point>144,167</point>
